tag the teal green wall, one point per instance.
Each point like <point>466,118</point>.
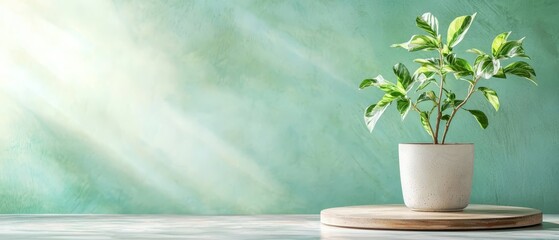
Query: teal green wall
<point>244,107</point>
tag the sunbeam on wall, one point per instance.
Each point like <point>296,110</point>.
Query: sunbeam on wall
<point>89,122</point>
<point>222,107</point>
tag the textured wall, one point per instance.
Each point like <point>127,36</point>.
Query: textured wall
<point>215,107</point>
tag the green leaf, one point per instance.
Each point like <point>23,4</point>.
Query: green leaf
<point>470,81</point>
<point>449,101</point>
<point>451,58</point>
<point>452,104</point>
<point>491,96</point>
<point>422,74</point>
<point>429,23</point>
<point>480,117</point>
<point>376,81</point>
<point>383,85</point>
<point>445,106</point>
<point>476,51</point>
<point>431,95</point>
<point>372,115</point>
<point>403,75</point>
<point>422,97</point>
<point>498,43</point>
<point>459,66</point>
<point>373,112</point>
<point>389,88</point>
<point>446,69</point>
<point>419,42</point>
<point>428,65</point>
<point>480,58</point>
<point>450,96</point>
<point>369,110</point>
<point>458,29</point>
<point>426,96</point>
<point>500,73</point>
<point>367,83</point>
<point>446,49</point>
<point>428,61</point>
<point>445,117</point>
<point>521,69</point>
<point>425,83</point>
<point>388,98</point>
<point>486,66</point>
<point>428,68</point>
<point>511,49</point>
<point>425,123</point>
<point>403,106</point>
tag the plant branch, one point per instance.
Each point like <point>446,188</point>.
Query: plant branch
<point>432,136</point>
<point>415,108</point>
<point>419,111</point>
<point>439,112</point>
<point>470,91</point>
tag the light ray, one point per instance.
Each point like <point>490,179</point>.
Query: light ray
<point>97,82</point>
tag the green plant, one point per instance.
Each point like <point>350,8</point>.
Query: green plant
<point>433,71</point>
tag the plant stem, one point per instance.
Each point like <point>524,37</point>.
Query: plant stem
<point>470,91</point>
<point>419,111</point>
<point>415,108</point>
<point>439,112</point>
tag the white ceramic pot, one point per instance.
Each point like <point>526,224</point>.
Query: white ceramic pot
<point>436,177</point>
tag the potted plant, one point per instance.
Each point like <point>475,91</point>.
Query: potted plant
<point>437,176</point>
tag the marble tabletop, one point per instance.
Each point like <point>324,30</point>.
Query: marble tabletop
<point>231,227</point>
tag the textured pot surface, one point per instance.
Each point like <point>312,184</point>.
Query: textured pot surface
<point>436,177</point>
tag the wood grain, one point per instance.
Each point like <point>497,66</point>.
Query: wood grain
<point>402,218</point>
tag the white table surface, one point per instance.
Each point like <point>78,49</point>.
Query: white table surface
<point>230,227</point>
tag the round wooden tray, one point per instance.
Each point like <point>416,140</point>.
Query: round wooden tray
<point>399,217</point>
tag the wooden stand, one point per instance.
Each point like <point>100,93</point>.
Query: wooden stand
<point>399,217</point>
